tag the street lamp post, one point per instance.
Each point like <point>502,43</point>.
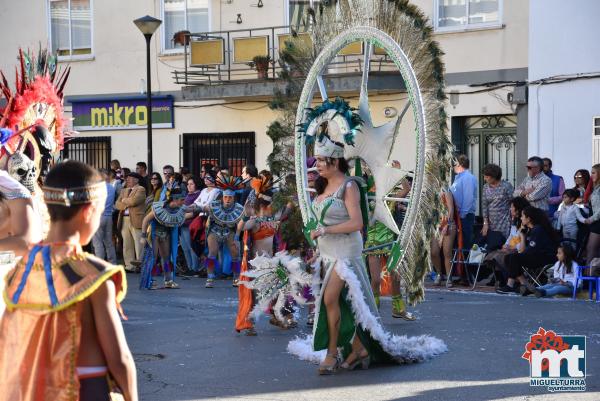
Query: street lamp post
<point>148,25</point>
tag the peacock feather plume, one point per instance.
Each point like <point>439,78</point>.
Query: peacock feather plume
<point>410,28</point>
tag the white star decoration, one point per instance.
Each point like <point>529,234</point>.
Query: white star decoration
<point>373,145</point>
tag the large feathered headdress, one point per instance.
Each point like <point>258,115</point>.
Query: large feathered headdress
<point>31,121</point>
<point>403,31</point>
<point>263,187</point>
<point>229,184</point>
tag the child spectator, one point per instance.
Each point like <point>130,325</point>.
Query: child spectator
<point>568,214</point>
<point>563,280</point>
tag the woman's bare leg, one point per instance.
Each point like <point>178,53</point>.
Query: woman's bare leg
<point>593,247</point>
<point>448,245</point>
<point>164,249</point>
<point>375,271</point>
<point>435,252</point>
<point>331,298</point>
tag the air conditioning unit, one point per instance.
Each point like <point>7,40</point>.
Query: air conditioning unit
<point>518,96</point>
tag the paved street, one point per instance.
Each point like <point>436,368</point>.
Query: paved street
<point>186,349</point>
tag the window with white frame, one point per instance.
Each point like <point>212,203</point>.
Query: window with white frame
<point>183,15</point>
<point>71,27</point>
<point>467,14</point>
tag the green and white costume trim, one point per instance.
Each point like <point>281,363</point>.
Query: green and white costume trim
<point>342,253</point>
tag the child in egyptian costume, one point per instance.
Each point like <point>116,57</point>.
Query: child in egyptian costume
<point>61,334</point>
<point>164,220</point>
<point>224,216</point>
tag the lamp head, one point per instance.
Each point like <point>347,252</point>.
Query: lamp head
<point>147,25</point>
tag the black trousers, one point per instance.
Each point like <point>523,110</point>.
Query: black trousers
<point>94,389</point>
<point>530,260</point>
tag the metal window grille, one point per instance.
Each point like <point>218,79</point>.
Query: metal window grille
<point>95,151</point>
<point>488,139</point>
<point>232,150</point>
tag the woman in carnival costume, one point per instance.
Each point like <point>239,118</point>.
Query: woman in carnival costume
<point>224,215</point>
<point>346,311</point>
<point>165,218</point>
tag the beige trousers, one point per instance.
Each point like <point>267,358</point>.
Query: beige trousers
<point>132,249</point>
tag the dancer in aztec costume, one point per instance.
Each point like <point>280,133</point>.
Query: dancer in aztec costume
<point>224,216</point>
<point>160,251</point>
<point>260,229</point>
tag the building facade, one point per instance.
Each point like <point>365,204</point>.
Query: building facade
<point>219,112</point>
<point>564,89</point>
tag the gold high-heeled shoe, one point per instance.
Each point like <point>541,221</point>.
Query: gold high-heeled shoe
<point>329,369</point>
<point>364,361</point>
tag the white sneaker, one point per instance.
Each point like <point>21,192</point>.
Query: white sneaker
<point>438,280</point>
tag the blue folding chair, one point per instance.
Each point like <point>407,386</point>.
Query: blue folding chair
<point>594,283</point>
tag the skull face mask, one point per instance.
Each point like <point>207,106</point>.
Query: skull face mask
<point>22,169</point>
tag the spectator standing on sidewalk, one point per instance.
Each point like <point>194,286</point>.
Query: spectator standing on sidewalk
<point>568,214</point>
<point>536,186</point>
<point>248,173</point>
<point>104,246</point>
<point>116,165</point>
<point>581,179</point>
<point>558,188</point>
<point>464,191</point>
<point>142,169</point>
<point>153,194</point>
<point>132,205</point>
<point>593,245</point>
<point>495,202</point>
<point>168,181</point>
<point>117,184</point>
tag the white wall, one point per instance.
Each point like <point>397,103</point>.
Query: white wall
<point>563,39</point>
<point>489,49</point>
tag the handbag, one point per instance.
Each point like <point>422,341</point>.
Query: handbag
<point>475,255</point>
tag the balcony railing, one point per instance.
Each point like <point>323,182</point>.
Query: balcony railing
<point>222,56</point>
